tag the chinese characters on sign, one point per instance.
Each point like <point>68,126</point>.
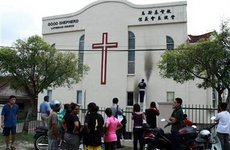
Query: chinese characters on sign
<point>156,15</point>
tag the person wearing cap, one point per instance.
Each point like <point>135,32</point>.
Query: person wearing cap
<point>54,134</point>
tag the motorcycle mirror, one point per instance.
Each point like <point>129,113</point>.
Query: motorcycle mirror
<point>213,118</point>
<point>163,119</point>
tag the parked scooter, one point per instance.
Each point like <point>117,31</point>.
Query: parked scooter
<point>41,138</point>
<point>207,140</point>
<point>192,138</point>
<point>156,138</point>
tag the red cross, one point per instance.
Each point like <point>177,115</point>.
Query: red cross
<point>104,45</point>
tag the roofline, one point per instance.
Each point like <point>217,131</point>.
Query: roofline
<point>98,2</point>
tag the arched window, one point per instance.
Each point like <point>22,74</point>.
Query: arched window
<point>131,53</point>
<point>169,43</point>
<point>81,52</point>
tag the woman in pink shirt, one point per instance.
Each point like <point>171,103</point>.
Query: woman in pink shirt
<point>111,125</point>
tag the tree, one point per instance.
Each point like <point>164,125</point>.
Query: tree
<point>208,60</point>
<point>33,65</point>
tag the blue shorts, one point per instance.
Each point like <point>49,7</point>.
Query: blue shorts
<point>7,130</point>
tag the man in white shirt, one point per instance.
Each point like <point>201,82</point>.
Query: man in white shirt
<point>223,127</point>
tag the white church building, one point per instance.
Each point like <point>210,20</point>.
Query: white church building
<point>122,43</point>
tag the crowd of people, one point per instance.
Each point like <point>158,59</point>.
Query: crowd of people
<point>65,124</point>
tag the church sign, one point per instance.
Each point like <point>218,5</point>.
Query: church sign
<point>155,15</point>
<point>54,25</point>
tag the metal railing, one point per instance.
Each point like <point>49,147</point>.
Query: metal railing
<point>198,114</point>
<point>35,121</point>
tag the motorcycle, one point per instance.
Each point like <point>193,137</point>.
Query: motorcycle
<point>206,140</point>
<point>192,138</point>
<point>155,138</point>
<point>41,138</point>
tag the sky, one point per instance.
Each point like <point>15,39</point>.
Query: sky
<point>20,19</point>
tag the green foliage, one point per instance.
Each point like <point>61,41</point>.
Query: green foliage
<point>34,65</point>
<point>208,60</point>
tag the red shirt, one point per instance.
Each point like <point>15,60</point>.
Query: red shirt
<point>187,122</point>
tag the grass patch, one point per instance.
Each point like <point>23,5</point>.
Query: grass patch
<point>29,137</point>
<point>20,137</point>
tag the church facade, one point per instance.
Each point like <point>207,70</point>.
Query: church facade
<point>121,43</point>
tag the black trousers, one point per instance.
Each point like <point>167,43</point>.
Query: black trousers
<point>224,139</point>
<point>138,137</point>
<point>142,95</point>
<point>118,133</point>
<point>110,145</point>
<point>176,141</point>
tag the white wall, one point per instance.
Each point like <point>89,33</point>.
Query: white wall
<point>117,18</point>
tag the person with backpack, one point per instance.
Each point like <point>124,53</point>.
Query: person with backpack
<point>71,125</point>
<point>93,127</point>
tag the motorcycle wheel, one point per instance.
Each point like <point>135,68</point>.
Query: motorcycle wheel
<point>149,146</point>
<point>41,142</point>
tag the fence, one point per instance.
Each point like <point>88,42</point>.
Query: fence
<point>36,120</point>
<point>200,115</point>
